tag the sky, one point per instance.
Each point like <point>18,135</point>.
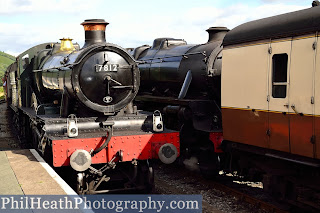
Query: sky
<point>26,23</point>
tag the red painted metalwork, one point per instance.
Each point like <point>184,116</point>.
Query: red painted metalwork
<point>141,147</point>
<point>216,138</point>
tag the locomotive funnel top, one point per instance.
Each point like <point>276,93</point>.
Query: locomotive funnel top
<point>94,31</point>
<point>217,33</point>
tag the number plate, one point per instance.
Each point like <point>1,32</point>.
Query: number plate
<point>107,68</point>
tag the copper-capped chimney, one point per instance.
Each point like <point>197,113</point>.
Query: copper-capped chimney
<point>217,33</point>
<point>94,31</point>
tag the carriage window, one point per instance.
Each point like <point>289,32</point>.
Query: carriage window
<point>279,75</point>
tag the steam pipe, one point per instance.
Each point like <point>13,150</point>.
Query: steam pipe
<point>105,144</point>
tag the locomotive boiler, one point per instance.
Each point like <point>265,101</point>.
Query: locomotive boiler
<point>185,74</point>
<point>91,76</point>
<point>75,106</point>
<point>185,80</point>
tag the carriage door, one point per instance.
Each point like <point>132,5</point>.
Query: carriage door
<point>301,96</point>
<point>317,100</point>
<point>279,67</point>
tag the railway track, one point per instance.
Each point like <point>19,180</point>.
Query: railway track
<point>243,197</point>
<point>8,138</point>
<point>221,195</point>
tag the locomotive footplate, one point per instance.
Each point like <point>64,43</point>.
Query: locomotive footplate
<point>133,136</point>
<point>133,147</point>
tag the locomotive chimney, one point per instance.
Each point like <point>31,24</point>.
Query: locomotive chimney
<point>216,33</point>
<point>94,31</point>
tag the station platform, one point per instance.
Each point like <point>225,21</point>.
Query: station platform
<point>24,172</point>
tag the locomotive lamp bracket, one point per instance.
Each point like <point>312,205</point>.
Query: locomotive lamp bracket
<point>157,121</point>
<point>72,126</point>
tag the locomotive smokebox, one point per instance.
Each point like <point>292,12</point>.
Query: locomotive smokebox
<point>217,33</point>
<point>94,31</point>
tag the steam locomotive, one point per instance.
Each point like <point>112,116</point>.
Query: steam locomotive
<point>185,81</point>
<point>258,84</point>
<point>75,106</point>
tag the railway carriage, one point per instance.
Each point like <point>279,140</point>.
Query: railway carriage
<point>270,102</point>
<point>270,83</point>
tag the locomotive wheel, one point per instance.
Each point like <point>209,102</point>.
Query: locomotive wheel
<point>197,143</point>
<point>34,102</point>
<point>35,142</point>
<point>16,122</point>
<point>150,181</point>
<point>145,178</point>
<point>80,189</point>
<point>188,135</point>
<point>209,164</point>
<point>46,151</point>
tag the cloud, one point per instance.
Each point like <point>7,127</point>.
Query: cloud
<point>127,28</point>
<point>16,38</point>
<point>13,7</point>
<point>191,24</point>
<point>237,14</point>
<point>232,16</point>
<point>275,1</point>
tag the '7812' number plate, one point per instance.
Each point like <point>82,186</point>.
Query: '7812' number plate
<point>107,68</point>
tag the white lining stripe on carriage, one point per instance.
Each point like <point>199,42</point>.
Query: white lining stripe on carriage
<point>53,174</point>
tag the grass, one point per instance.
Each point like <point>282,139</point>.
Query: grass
<point>1,93</point>
<point>6,58</point>
<point>5,61</point>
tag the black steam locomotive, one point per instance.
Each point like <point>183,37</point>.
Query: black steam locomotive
<point>75,106</point>
<point>185,81</point>
<point>184,74</point>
